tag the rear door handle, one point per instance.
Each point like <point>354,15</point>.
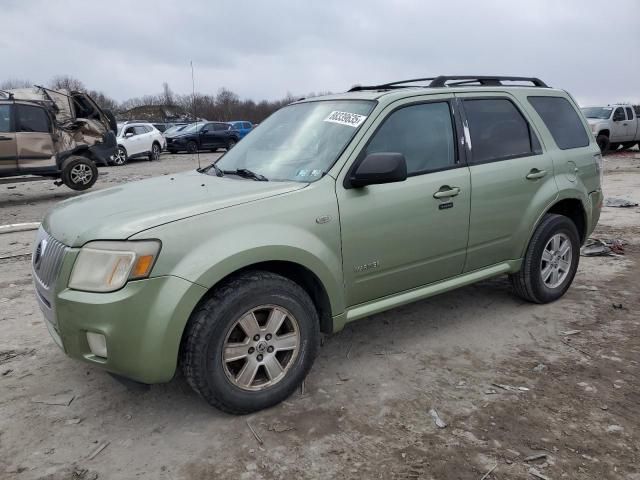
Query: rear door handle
<point>535,174</point>
<point>446,191</point>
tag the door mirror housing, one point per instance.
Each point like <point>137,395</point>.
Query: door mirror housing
<point>378,168</point>
<point>128,135</point>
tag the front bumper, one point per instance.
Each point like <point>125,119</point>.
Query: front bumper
<point>142,322</point>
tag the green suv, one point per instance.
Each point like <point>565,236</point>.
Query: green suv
<point>331,210</point>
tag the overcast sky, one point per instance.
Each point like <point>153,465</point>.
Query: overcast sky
<point>264,49</point>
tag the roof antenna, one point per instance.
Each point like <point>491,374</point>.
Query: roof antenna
<point>193,88</point>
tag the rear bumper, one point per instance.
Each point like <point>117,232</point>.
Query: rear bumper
<point>102,152</point>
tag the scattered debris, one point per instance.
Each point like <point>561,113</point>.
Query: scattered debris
<point>19,227</point>
<point>342,378</point>
<point>73,421</point>
<point>619,202</point>
<point>6,355</point>
<point>489,472</point>
<point>533,458</point>
<point>7,372</point>
<point>537,474</point>
<point>604,407</point>
<point>566,342</point>
<point>595,247</point>
<point>63,399</point>
<point>618,306</point>
<point>436,418</point>
<point>510,388</point>
<point>490,391</point>
<point>257,437</point>
<point>98,449</point>
<point>280,427</point>
<point>614,428</point>
<point>566,333</point>
<point>541,367</point>
<point>50,451</point>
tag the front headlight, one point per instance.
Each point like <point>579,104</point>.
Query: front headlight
<point>105,266</point>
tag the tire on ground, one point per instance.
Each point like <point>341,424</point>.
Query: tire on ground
<point>192,147</point>
<point>603,143</point>
<point>203,341</point>
<point>154,154</point>
<point>528,283</point>
<point>79,173</point>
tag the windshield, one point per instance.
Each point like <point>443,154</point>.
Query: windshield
<point>597,112</point>
<point>177,128</point>
<point>299,142</point>
<point>194,127</point>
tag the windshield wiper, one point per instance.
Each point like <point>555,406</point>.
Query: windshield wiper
<point>246,173</point>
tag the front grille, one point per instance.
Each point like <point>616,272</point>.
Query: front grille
<point>47,258</point>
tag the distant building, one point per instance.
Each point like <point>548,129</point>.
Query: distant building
<point>156,113</point>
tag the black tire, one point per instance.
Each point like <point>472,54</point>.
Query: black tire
<point>603,143</point>
<point>231,143</point>
<point>211,322</point>
<point>120,158</point>
<point>154,154</point>
<point>79,173</point>
<point>528,283</point>
<point>613,147</point>
<point>192,147</point>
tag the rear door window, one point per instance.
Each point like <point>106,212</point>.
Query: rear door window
<point>32,119</point>
<point>140,129</point>
<point>562,120</point>
<point>5,118</point>
<point>498,130</point>
<point>629,113</point>
<point>423,133</point>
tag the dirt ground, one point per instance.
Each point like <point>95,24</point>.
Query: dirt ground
<point>500,372</point>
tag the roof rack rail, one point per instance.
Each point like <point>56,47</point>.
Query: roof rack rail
<point>490,81</point>
<point>459,80</point>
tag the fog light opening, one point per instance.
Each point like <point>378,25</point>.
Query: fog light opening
<point>97,344</point>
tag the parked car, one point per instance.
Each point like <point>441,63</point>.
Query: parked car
<point>54,133</point>
<point>203,136</point>
<point>136,140</point>
<point>336,208</point>
<point>241,126</point>
<point>614,126</point>
<point>163,127</point>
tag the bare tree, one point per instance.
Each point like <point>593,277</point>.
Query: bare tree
<point>167,94</point>
<point>12,83</point>
<point>67,82</point>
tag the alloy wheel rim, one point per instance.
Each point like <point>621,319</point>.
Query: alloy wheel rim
<point>231,144</point>
<point>81,174</point>
<point>155,152</point>
<point>260,347</point>
<point>119,157</point>
<point>555,264</point>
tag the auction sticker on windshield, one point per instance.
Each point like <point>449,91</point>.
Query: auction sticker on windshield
<point>345,118</point>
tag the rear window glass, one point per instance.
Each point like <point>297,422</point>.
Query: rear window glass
<point>562,121</point>
<point>32,119</point>
<point>498,130</point>
<point>5,118</point>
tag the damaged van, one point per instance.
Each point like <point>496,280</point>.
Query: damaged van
<point>54,133</point>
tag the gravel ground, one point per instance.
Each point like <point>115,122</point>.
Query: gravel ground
<point>500,372</point>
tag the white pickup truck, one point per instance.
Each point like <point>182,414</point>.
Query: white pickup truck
<point>614,126</point>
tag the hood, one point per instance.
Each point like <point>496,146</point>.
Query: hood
<point>593,121</point>
<point>120,212</point>
<point>180,134</point>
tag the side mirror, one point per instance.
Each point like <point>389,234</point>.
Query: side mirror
<point>204,130</point>
<point>128,135</point>
<point>378,168</point>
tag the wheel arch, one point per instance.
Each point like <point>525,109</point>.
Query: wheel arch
<point>604,132</point>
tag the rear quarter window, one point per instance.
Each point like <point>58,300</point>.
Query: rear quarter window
<point>32,119</point>
<point>562,120</point>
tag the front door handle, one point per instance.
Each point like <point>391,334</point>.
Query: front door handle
<point>446,191</point>
<point>535,174</point>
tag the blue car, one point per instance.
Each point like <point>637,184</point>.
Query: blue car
<point>241,127</point>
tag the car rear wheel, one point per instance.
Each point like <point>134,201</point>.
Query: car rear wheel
<point>613,146</point>
<point>251,343</point>
<point>155,152</point>
<point>231,143</point>
<point>192,147</point>
<point>79,173</point>
<point>603,143</point>
<point>551,261</point>
<point>120,157</point>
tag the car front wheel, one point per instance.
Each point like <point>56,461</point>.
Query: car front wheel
<point>251,343</point>
<point>120,157</point>
<point>155,152</point>
<point>551,261</point>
